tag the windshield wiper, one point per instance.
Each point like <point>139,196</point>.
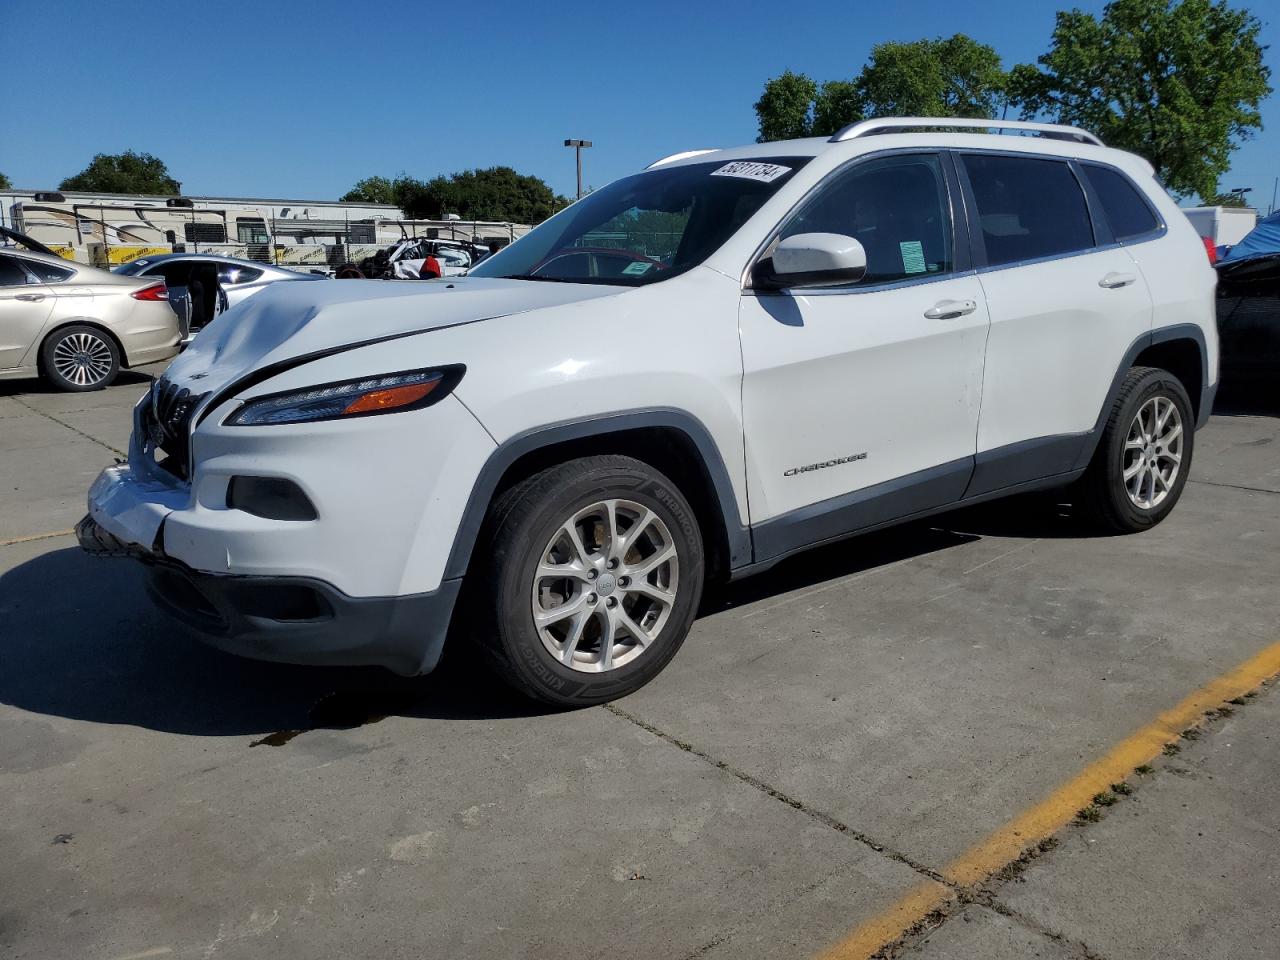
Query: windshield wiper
<point>535,276</point>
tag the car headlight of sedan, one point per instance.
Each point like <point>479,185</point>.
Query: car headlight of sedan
<point>368,396</point>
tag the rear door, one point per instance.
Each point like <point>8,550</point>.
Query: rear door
<point>860,402</point>
<point>24,307</point>
<point>1066,303</point>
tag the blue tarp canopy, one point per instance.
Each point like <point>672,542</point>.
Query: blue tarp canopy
<point>1264,238</point>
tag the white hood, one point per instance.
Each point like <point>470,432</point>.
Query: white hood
<point>289,320</point>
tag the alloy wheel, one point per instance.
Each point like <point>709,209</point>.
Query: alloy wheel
<point>605,586</point>
<point>82,359</point>
<point>1153,452</point>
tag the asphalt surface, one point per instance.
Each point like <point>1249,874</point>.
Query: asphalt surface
<point>832,734</point>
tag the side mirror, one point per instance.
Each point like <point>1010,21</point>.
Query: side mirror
<point>812,260</point>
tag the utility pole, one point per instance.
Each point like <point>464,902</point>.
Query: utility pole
<point>577,149</point>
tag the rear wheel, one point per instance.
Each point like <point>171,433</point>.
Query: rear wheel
<point>79,358</point>
<point>1140,467</point>
<point>593,572</point>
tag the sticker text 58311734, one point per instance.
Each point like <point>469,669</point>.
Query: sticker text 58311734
<point>752,170</point>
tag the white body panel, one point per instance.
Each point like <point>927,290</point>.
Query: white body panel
<point>1056,338</point>
<point>839,373</point>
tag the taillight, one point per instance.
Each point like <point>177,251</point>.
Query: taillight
<point>1210,249</point>
<point>157,291</point>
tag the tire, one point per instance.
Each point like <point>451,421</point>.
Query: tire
<point>1127,447</point>
<point>563,658</point>
<point>79,358</point>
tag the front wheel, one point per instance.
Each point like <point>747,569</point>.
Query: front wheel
<point>1140,467</point>
<point>79,358</point>
<point>593,573</point>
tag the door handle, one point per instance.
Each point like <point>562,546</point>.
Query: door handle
<point>1113,280</point>
<point>30,297</point>
<point>950,309</point>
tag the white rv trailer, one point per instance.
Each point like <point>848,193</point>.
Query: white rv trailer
<point>110,229</point>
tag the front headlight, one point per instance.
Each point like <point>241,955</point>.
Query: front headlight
<point>390,393</point>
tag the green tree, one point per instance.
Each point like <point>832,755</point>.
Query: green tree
<point>372,190</point>
<point>952,77</point>
<point>126,172</point>
<point>838,104</point>
<point>5,183</point>
<point>496,193</point>
<point>1177,81</point>
<point>785,108</point>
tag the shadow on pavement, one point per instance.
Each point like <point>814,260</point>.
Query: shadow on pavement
<point>36,386</point>
<point>79,638</point>
<point>1247,397</point>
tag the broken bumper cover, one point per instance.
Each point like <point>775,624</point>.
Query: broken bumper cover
<point>289,619</point>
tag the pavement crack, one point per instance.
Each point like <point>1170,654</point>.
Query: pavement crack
<point>1236,486</point>
<point>63,423</point>
<point>773,792</point>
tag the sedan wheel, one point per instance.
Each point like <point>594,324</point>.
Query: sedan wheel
<point>80,358</point>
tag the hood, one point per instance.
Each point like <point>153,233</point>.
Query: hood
<point>290,320</point>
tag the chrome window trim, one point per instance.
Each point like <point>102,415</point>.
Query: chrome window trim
<point>853,288</point>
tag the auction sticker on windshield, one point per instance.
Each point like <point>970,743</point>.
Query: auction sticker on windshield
<point>750,170</point>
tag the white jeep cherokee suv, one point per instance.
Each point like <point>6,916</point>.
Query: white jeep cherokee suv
<point>689,374</point>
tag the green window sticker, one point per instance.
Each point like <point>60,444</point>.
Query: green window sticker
<point>912,256</point>
<point>637,268</point>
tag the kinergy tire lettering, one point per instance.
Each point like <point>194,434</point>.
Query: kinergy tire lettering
<point>826,463</point>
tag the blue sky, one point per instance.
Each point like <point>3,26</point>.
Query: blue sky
<point>277,98</point>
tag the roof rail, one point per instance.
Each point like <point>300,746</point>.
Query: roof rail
<point>683,155</point>
<point>1054,131</point>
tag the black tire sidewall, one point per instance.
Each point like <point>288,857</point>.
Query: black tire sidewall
<point>1154,383</point>
<point>518,548</point>
<point>58,380</point>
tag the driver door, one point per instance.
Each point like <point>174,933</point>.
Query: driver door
<point>860,401</point>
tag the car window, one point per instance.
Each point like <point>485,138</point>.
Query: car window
<point>11,273</point>
<point>175,273</point>
<point>231,274</point>
<point>612,265</point>
<point>48,272</point>
<point>1028,207</point>
<point>569,266</point>
<point>668,220</point>
<point>896,207</point>
<point>1127,212</point>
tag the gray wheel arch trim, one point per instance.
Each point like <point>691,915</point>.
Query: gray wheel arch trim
<point>512,449</point>
<point>1181,331</point>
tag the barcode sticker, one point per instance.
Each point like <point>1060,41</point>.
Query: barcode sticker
<point>752,170</point>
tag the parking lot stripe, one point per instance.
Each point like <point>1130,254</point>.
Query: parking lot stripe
<point>1027,829</point>
<point>36,536</point>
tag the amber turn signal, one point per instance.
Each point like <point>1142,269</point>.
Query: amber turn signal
<point>390,399</point>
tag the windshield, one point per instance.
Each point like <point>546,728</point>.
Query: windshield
<point>132,268</point>
<point>646,228</point>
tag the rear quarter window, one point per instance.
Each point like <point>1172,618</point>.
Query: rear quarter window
<point>1126,210</point>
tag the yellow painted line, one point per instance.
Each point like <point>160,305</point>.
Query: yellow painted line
<point>888,926</point>
<point>36,536</point>
<point>1048,816</point>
